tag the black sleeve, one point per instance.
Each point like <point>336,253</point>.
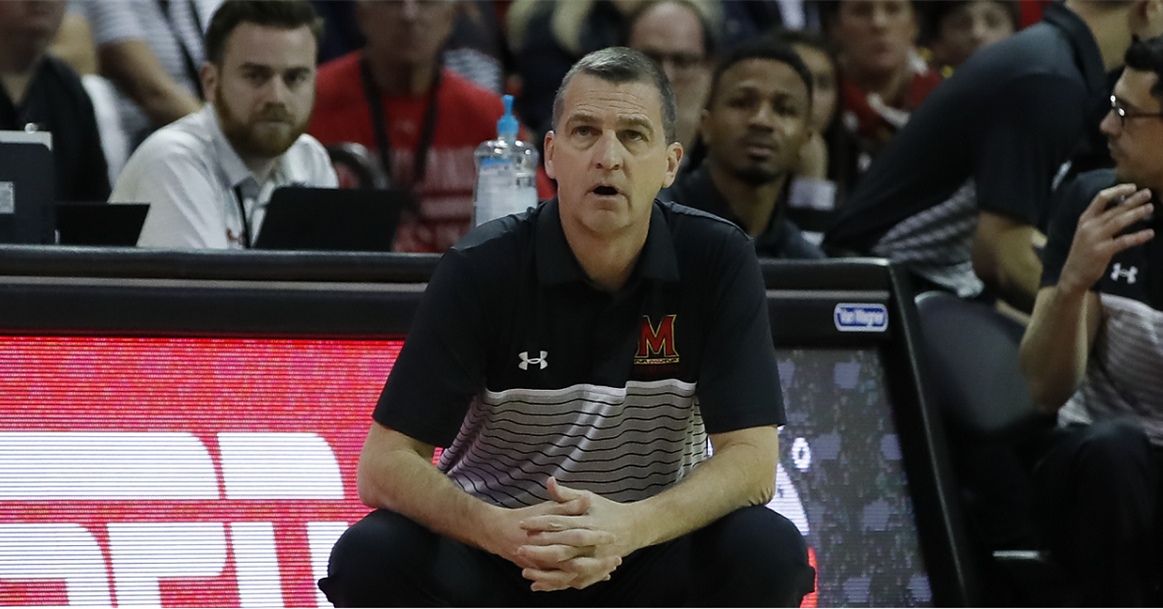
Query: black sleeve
<point>738,383</point>
<point>93,174</point>
<point>82,171</point>
<point>441,367</point>
<point>1029,133</point>
<point>1070,200</point>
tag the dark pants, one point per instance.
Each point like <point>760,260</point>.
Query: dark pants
<point>751,557</point>
<point>1098,510</point>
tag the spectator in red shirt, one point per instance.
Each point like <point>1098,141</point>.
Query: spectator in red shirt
<point>883,79</point>
<point>420,120</point>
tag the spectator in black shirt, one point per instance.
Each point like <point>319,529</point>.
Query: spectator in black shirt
<point>40,93</point>
<point>755,123</point>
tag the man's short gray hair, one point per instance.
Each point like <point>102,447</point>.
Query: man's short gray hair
<point>620,65</point>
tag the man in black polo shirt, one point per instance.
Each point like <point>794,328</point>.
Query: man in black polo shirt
<point>961,194</point>
<point>1094,352</point>
<point>39,92</point>
<point>573,362</point>
<point>754,126</point>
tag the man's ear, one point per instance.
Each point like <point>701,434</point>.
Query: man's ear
<point>704,116</point>
<point>550,145</point>
<point>673,162</point>
<point>1154,12</point>
<point>210,77</point>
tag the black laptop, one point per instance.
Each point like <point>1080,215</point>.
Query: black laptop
<point>27,190</point>
<point>100,223</point>
<point>343,219</point>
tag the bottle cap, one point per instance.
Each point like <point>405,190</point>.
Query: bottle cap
<point>507,125</point>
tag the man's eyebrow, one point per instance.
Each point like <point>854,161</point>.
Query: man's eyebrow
<point>637,121</point>
<point>624,122</point>
<point>1123,103</point>
<point>581,117</point>
<point>262,67</point>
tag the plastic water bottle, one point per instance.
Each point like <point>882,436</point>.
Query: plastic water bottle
<point>506,172</point>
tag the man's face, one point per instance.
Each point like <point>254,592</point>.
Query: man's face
<point>970,27</point>
<point>265,88</point>
<point>825,92</point>
<point>1136,143</point>
<point>609,155</point>
<point>406,32</point>
<point>757,120</point>
<point>876,35</point>
<point>672,36</point>
<point>27,27</point>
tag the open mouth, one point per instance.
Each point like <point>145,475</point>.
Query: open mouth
<point>605,191</point>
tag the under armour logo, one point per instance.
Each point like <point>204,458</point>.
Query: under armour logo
<point>1128,274</point>
<point>526,361</point>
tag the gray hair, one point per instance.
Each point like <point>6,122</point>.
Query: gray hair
<point>621,65</point>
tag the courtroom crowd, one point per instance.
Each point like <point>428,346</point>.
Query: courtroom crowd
<point>1003,151</point>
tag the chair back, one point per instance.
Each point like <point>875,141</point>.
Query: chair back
<point>972,367</point>
<point>355,166</point>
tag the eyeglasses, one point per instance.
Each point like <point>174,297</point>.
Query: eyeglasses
<point>1125,114</point>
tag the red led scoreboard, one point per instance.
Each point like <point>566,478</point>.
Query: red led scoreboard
<point>183,429</point>
<point>179,471</point>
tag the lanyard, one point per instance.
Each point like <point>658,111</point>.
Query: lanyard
<point>245,237</point>
<point>187,57</point>
<point>375,106</point>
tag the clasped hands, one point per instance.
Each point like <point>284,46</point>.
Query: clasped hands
<point>573,541</point>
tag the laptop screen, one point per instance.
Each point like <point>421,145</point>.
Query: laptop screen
<point>27,191</point>
<point>100,223</point>
<point>301,218</point>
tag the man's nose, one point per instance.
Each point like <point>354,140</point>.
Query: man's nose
<point>608,152</point>
<point>409,9</point>
<point>1111,124</point>
<point>979,33</point>
<point>763,117</point>
<point>275,91</point>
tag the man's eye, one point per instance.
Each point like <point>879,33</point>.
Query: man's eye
<point>786,110</point>
<point>583,130</point>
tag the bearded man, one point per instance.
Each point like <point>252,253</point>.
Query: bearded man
<point>209,176</point>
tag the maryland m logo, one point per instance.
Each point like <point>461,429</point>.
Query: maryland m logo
<point>656,343</point>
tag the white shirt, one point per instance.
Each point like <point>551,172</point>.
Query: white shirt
<point>192,178</point>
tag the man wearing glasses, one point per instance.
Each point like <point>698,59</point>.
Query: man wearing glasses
<point>1094,351</point>
<point>679,35</point>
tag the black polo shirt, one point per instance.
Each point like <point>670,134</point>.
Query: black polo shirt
<point>1146,283</point>
<point>523,369</point>
<point>993,137</point>
<point>781,239</point>
<point>56,101</point>
<point>1123,376</point>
